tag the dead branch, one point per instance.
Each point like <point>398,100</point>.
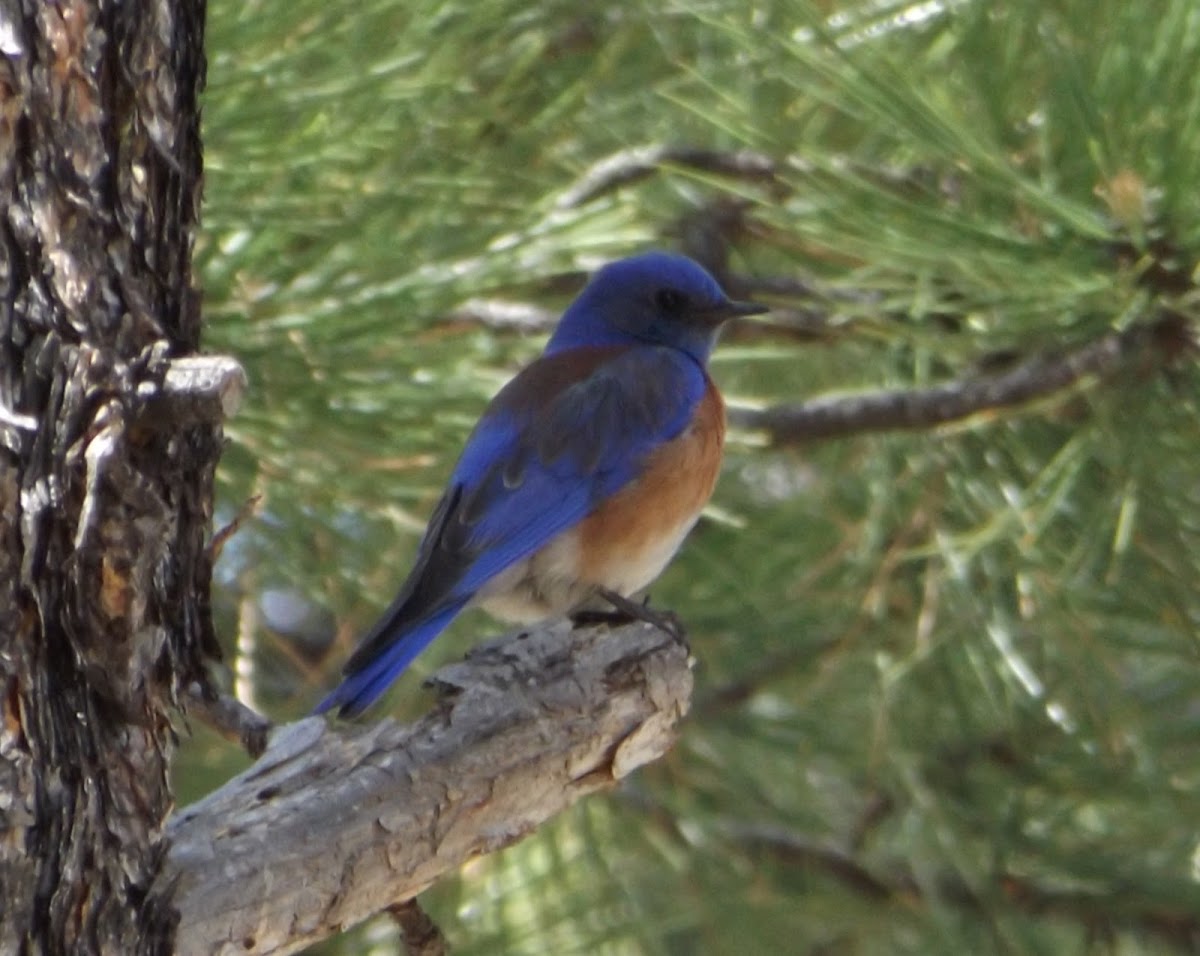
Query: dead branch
<point>336,823</point>
<point>196,390</point>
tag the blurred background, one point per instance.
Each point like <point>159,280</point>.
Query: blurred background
<point>948,690</point>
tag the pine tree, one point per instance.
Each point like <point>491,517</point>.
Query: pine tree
<point>944,609</point>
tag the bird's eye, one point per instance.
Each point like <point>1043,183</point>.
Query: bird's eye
<point>670,301</point>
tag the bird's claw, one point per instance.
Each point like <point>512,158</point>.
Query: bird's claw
<point>625,611</point>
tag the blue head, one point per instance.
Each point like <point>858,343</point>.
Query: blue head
<point>654,298</point>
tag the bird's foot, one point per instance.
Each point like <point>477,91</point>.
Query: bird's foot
<point>624,611</point>
<point>620,610</point>
<point>593,617</point>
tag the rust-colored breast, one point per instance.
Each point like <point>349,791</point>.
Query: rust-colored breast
<point>628,540</point>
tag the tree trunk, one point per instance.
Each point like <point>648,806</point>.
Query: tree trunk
<point>104,512</point>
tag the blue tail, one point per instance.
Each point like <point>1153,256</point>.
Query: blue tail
<point>369,676</point>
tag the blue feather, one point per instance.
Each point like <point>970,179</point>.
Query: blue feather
<point>361,688</point>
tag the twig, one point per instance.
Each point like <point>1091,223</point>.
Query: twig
<point>420,935</point>
<point>232,719</point>
<point>891,410</point>
<point>630,165</point>
<point>507,315</point>
<point>799,850</point>
<point>1116,909</point>
<point>227,531</point>
<point>638,162</point>
<point>803,324</point>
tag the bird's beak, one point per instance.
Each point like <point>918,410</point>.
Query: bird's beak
<point>746,308</point>
<point>730,309</point>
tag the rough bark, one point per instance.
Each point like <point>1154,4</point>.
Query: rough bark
<point>104,517</point>
<point>334,825</point>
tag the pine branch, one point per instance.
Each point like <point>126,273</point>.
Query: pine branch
<point>524,317</point>
<point>1112,910</point>
<point>638,162</point>
<point>1038,378</point>
<point>335,824</point>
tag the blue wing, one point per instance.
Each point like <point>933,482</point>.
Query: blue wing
<point>572,429</point>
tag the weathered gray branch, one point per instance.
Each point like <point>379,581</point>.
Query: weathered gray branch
<point>335,824</point>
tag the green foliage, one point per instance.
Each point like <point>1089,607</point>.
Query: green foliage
<point>948,681</point>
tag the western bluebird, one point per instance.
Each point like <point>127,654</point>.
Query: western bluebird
<point>583,475</point>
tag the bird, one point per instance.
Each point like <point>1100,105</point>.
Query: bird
<point>581,478</point>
